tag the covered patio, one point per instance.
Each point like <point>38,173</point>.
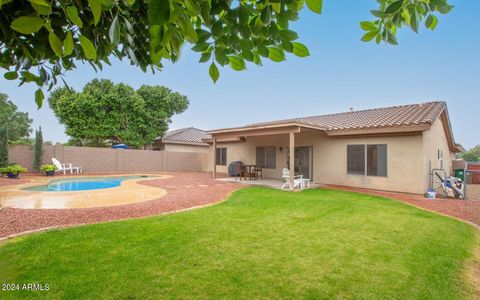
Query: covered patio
<point>266,147</point>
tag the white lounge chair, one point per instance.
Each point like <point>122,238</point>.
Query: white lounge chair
<point>65,167</point>
<point>297,180</point>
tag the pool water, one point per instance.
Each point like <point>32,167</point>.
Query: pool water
<point>83,184</point>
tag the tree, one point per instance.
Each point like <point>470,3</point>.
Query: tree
<point>3,147</point>
<point>41,39</point>
<point>23,141</point>
<point>472,154</point>
<point>107,113</point>
<point>18,123</point>
<point>86,143</point>
<point>37,160</point>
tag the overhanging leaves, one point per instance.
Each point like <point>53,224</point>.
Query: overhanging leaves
<point>392,14</point>
<point>237,63</point>
<point>300,49</point>
<point>11,75</point>
<point>72,13</point>
<point>213,71</point>
<point>114,31</point>
<point>431,22</point>
<point>68,44</point>
<point>315,5</point>
<point>27,25</point>
<point>159,12</point>
<point>35,33</point>
<point>55,44</point>
<point>96,8</point>
<point>370,35</point>
<point>394,7</point>
<point>276,54</point>
<point>39,98</point>
<point>88,47</point>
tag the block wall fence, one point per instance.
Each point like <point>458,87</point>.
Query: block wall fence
<point>107,160</point>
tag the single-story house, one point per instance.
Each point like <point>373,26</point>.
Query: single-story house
<point>182,140</point>
<point>391,148</point>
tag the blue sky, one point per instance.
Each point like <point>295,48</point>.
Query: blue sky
<point>342,72</point>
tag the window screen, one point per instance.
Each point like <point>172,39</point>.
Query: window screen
<point>221,156</point>
<point>356,159</point>
<point>266,157</point>
<point>377,160</point>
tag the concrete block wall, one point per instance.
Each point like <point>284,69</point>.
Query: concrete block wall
<point>107,160</point>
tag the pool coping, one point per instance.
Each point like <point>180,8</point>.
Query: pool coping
<point>128,192</point>
<point>86,178</point>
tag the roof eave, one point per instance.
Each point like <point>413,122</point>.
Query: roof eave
<point>400,129</point>
<point>184,143</point>
<point>259,127</point>
<point>445,118</point>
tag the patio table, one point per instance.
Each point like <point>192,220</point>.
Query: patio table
<point>250,171</point>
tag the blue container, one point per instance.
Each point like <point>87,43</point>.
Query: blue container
<point>431,194</point>
<point>120,146</point>
<point>12,176</point>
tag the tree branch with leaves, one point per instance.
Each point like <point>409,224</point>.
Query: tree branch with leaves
<point>41,40</point>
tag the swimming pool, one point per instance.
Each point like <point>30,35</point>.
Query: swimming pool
<point>83,184</point>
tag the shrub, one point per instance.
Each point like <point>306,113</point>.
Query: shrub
<point>14,169</point>
<point>48,168</point>
<point>3,147</point>
<point>37,161</point>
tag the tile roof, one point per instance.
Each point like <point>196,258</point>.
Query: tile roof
<point>412,114</point>
<point>189,135</point>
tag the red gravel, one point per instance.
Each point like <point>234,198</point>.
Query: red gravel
<point>184,190</point>
<point>468,210</point>
<point>187,190</point>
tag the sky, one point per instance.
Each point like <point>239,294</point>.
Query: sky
<point>341,72</point>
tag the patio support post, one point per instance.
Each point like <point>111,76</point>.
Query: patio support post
<point>292,158</point>
<point>214,158</point>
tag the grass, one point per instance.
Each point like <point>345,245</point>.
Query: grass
<point>260,243</point>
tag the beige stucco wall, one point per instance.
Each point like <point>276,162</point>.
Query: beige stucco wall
<point>106,160</point>
<point>433,140</point>
<point>404,161</point>
<point>407,167</point>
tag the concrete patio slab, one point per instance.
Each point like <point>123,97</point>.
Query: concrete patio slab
<point>267,182</point>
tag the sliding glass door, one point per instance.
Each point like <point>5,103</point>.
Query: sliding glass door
<point>303,161</point>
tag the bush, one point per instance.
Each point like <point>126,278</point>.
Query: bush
<point>48,168</point>
<point>37,161</point>
<point>14,169</point>
<point>3,147</point>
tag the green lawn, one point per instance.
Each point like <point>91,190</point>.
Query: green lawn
<point>260,243</point>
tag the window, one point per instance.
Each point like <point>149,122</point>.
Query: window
<point>370,160</point>
<point>377,160</point>
<point>356,159</point>
<point>221,156</point>
<point>266,157</point>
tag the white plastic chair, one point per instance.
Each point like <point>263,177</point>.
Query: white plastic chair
<point>297,180</point>
<point>65,167</point>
